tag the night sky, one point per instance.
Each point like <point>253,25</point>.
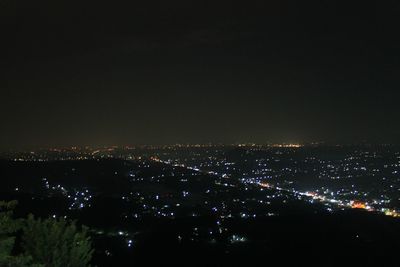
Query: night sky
<point>162,72</point>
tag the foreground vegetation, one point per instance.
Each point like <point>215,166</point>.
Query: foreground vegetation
<point>33,242</point>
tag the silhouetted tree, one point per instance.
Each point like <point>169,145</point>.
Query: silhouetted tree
<point>45,243</point>
<point>8,230</point>
<point>56,243</point>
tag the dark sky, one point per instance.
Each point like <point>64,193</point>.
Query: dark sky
<point>93,72</point>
